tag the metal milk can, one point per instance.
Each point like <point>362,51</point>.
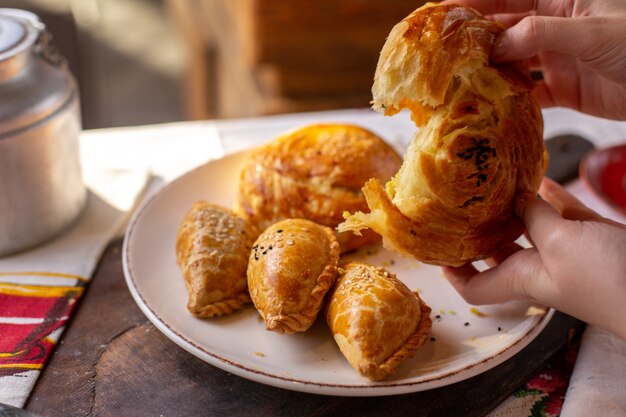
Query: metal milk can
<point>41,187</point>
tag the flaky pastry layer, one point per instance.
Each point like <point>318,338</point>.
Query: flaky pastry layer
<point>478,149</point>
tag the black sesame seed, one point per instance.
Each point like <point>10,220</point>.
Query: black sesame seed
<point>438,317</point>
<point>466,323</point>
<point>279,231</point>
<point>432,339</point>
<point>270,247</point>
<point>499,328</point>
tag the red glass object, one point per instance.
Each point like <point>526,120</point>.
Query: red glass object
<point>604,172</point>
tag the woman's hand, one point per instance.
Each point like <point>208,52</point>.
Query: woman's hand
<point>577,264</point>
<point>579,45</point>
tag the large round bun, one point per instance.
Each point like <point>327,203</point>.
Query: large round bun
<point>314,172</point>
<point>479,147</point>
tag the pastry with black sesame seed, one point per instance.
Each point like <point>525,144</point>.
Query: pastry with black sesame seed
<point>292,266</point>
<point>212,249</point>
<point>479,148</point>
<point>375,319</point>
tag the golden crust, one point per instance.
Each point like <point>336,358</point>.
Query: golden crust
<point>212,248</point>
<point>316,173</point>
<point>292,266</point>
<point>479,148</point>
<point>376,320</point>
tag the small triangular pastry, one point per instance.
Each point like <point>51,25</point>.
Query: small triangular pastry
<point>292,266</point>
<point>375,319</point>
<point>212,248</point>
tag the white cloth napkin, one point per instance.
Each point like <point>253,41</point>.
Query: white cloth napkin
<point>41,285</point>
<point>598,383</point>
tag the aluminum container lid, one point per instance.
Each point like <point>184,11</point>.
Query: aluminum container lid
<point>19,29</point>
<point>33,86</point>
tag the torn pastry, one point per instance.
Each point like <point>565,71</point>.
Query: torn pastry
<point>479,147</point>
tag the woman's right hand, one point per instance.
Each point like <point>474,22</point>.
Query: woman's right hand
<point>579,45</point>
<point>577,264</point>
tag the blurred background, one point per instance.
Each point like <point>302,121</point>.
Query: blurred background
<point>155,61</point>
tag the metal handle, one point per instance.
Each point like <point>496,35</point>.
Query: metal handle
<point>49,52</point>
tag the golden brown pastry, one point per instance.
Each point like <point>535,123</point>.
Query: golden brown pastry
<point>292,266</point>
<point>478,149</point>
<point>212,249</point>
<point>375,319</point>
<point>315,172</point>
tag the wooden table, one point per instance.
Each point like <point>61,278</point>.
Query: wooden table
<point>113,362</point>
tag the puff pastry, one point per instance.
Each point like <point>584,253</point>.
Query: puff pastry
<point>292,266</point>
<point>375,319</point>
<point>212,248</point>
<point>314,172</point>
<point>479,147</point>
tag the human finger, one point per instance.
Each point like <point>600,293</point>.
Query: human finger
<point>534,34</point>
<point>568,206</point>
<point>514,279</point>
<point>509,19</point>
<point>541,220</point>
<point>503,254</point>
<point>488,7</point>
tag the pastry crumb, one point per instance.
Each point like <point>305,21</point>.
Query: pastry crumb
<point>477,312</point>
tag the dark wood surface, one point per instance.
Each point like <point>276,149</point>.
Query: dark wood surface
<point>112,361</point>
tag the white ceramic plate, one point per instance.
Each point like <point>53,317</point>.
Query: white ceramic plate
<point>464,343</point>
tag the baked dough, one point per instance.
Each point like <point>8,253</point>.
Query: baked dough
<point>375,319</point>
<point>212,249</point>
<point>479,147</point>
<point>314,172</point>
<point>292,266</point>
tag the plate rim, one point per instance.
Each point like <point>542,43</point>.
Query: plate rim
<point>368,388</point>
